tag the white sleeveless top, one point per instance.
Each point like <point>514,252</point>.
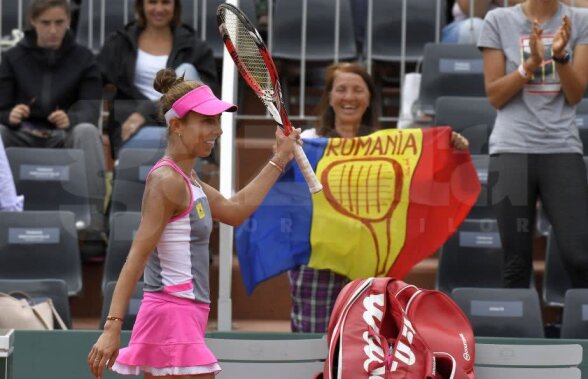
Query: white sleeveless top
<point>145,70</point>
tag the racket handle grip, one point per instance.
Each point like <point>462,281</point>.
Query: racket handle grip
<point>313,183</point>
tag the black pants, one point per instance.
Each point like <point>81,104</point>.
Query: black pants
<point>516,182</point>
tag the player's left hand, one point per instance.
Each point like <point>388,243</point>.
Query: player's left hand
<point>285,145</point>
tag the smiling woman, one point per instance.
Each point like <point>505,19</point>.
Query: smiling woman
<point>132,56</point>
<point>348,108</point>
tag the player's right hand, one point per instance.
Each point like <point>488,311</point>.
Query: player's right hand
<point>104,352</point>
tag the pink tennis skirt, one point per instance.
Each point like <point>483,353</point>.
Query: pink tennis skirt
<point>168,339</point>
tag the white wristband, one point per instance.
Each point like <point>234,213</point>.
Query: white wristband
<point>523,72</point>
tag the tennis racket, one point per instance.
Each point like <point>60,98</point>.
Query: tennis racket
<point>257,67</point>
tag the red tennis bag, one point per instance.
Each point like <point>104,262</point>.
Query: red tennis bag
<point>440,322</point>
<point>372,336</point>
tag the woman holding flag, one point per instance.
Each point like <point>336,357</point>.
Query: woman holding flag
<point>348,108</point>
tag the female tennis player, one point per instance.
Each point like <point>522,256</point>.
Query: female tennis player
<point>171,244</point>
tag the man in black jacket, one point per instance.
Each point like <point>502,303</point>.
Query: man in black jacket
<point>50,93</point>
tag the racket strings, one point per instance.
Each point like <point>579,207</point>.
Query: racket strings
<point>252,62</point>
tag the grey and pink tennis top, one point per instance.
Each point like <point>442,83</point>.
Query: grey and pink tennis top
<point>179,264</point>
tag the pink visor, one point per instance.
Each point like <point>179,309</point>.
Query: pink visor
<point>200,100</point>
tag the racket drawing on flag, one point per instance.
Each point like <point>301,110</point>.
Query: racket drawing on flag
<point>257,68</point>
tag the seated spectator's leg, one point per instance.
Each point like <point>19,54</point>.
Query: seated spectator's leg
<point>565,197</point>
<point>469,31</point>
<point>450,32</point>
<point>188,71</point>
<point>9,201</point>
<point>86,137</point>
<point>148,137</point>
<point>16,137</point>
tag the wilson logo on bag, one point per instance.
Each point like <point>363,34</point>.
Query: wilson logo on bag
<point>377,332</point>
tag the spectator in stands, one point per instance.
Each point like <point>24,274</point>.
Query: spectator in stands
<point>535,150</point>
<point>465,29</point>
<point>131,57</point>
<point>348,108</point>
<point>9,201</point>
<point>171,244</point>
<point>50,91</point>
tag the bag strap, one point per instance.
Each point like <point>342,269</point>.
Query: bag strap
<point>40,318</point>
<point>405,293</point>
<point>57,316</point>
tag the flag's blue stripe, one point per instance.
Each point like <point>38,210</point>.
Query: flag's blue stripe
<point>276,237</point>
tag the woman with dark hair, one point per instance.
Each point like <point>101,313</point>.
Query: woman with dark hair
<point>131,57</point>
<point>348,108</point>
<point>351,81</point>
<point>50,92</point>
<point>171,246</point>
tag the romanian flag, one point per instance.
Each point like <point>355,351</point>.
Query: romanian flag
<point>389,200</point>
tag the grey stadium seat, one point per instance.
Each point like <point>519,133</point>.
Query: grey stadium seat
<point>421,28</point>
<point>122,232</point>
<point>132,310</point>
<point>471,257</point>
<point>575,314</point>
<point>40,245</point>
<point>473,117</point>
<point>501,312</point>
<point>129,178</point>
<point>449,70</point>
<point>320,46</point>
<point>52,179</point>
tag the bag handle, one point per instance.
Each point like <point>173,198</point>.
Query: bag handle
<point>406,294</point>
<point>21,294</point>
<point>447,367</point>
<point>55,314</point>
<point>38,315</point>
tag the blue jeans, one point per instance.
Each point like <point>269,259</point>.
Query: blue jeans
<point>465,32</point>
<point>148,137</point>
<point>188,71</point>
